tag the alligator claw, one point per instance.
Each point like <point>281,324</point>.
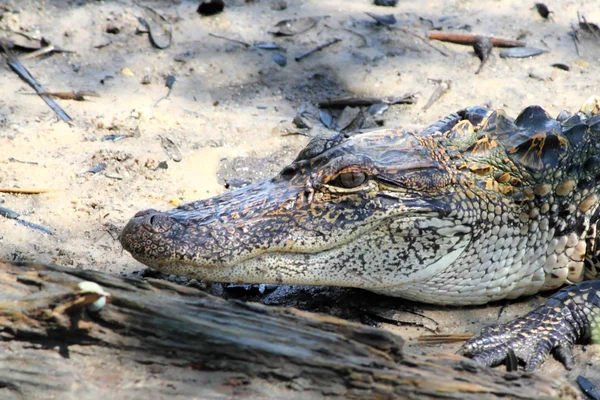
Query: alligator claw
<point>548,329</point>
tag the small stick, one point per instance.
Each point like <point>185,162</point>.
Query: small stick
<point>19,69</point>
<point>575,38</point>
<point>469,39</point>
<point>230,40</point>
<point>37,53</point>
<point>428,43</point>
<point>364,39</point>
<point>77,96</point>
<point>26,191</point>
<point>316,49</point>
<point>443,87</point>
<point>12,159</point>
<point>590,27</point>
<point>450,338</point>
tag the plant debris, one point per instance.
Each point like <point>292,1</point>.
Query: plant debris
<point>21,42</point>
<point>326,118</point>
<point>573,35</point>
<point>404,317</point>
<point>267,46</point>
<point>378,109</point>
<point>169,83</point>
<point>469,39</point>
<point>157,26</point>
<point>77,96</point>
<point>115,137</point>
<point>34,226</point>
<point>112,29</point>
<point>483,48</point>
<point>543,10</point>
<point>588,26</point>
<point>588,388</point>
<point>10,214</point>
<point>291,27</point>
<point>348,115</point>
<point>428,43</point>
<point>25,191</point>
<point>562,66</point>
<point>386,3</point>
<point>383,19</point>
<point>300,122</point>
<point>208,8</point>
<point>316,49</point>
<point>442,88</point>
<point>230,40</point>
<point>446,338</point>
<point>522,52</point>
<point>354,101</point>
<point>279,59</point>
<point>278,5</point>
<point>20,70</point>
<point>95,169</point>
<point>159,41</point>
<point>170,148</point>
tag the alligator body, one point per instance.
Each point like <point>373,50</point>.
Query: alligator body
<point>478,207</point>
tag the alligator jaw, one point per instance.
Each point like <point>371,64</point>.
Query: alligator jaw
<point>241,236</point>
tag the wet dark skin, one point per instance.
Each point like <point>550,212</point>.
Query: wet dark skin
<point>476,208</point>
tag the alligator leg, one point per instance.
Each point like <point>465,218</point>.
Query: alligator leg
<point>571,315</point>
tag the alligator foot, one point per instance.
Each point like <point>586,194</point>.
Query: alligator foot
<point>570,315</point>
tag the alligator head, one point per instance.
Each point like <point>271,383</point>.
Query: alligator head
<point>478,207</point>
<point>367,211</point>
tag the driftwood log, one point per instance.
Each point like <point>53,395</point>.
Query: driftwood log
<point>155,340</point>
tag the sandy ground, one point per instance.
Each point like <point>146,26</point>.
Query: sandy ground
<point>231,106</point>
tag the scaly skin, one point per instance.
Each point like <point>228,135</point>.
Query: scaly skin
<point>475,208</point>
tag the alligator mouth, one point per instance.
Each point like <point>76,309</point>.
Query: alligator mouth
<point>167,242</point>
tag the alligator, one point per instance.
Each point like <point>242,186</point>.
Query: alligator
<point>477,207</point>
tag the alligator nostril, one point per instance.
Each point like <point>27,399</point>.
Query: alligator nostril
<point>158,223</point>
<point>144,212</point>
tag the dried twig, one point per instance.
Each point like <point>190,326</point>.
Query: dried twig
<point>469,39</point>
<point>354,101</point>
<point>450,338</point>
<point>575,38</point>
<point>77,96</point>
<point>152,34</point>
<point>37,53</point>
<point>443,87</point>
<point>25,191</point>
<point>230,40</point>
<point>428,43</point>
<point>590,28</point>
<point>19,69</point>
<point>316,49</point>
<point>362,37</point>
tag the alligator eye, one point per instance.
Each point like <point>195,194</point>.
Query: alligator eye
<point>350,180</point>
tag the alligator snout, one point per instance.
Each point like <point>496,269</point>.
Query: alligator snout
<point>214,233</point>
<point>149,234</point>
